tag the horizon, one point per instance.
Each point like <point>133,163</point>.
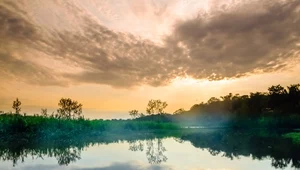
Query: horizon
<point>115,56</point>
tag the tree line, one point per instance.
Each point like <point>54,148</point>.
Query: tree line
<point>68,109</point>
<point>278,107</point>
<point>153,107</point>
<point>276,101</point>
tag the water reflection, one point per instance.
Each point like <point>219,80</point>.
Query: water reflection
<point>113,166</point>
<point>258,145</point>
<point>154,150</point>
<point>17,152</point>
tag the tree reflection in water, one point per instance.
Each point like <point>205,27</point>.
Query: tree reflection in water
<point>258,145</point>
<point>64,156</point>
<point>67,155</point>
<point>154,149</point>
<point>18,151</point>
<point>136,145</point>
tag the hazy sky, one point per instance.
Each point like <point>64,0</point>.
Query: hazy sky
<point>113,56</point>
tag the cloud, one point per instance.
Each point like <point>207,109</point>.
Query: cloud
<point>13,26</point>
<point>20,70</point>
<point>229,41</point>
<point>234,41</point>
<point>129,166</point>
<point>111,58</point>
<point>113,166</point>
<point>16,34</point>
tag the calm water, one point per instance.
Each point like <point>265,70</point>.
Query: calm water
<point>193,151</point>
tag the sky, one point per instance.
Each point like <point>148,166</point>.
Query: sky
<point>114,56</point>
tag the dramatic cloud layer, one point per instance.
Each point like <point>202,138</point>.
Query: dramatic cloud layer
<point>231,42</point>
<point>227,40</point>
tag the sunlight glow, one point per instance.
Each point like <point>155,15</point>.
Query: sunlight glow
<point>183,81</point>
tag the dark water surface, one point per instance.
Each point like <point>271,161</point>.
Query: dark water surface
<point>196,150</point>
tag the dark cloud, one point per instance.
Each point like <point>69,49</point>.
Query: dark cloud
<point>24,71</point>
<point>16,33</point>
<point>111,58</point>
<point>14,27</point>
<point>234,42</point>
<point>227,43</point>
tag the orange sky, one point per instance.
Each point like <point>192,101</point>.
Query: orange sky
<point>114,56</point>
<point>102,101</point>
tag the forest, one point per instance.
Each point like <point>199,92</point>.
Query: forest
<point>278,107</point>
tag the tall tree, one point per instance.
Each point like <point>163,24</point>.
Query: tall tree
<point>156,107</point>
<point>294,97</point>
<point>240,105</point>
<point>134,113</point>
<point>16,105</point>
<point>227,101</point>
<point>277,98</point>
<point>69,109</point>
<point>258,103</point>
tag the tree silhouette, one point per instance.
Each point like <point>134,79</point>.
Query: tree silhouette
<point>16,105</point>
<point>44,112</point>
<point>294,97</point>
<point>69,109</point>
<point>156,107</point>
<point>277,97</point>
<point>179,111</point>
<point>134,113</point>
<point>213,100</point>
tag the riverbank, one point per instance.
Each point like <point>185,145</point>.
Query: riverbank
<point>40,127</point>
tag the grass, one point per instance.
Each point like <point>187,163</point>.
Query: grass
<point>51,128</point>
<point>38,127</point>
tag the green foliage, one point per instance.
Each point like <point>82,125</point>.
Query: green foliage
<point>295,136</point>
<point>52,128</point>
